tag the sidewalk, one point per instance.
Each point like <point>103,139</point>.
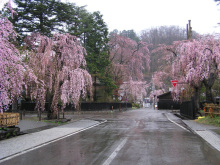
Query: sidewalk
<point>30,123</point>
<point>211,134</point>
<point>30,126</point>
<point>28,142</point>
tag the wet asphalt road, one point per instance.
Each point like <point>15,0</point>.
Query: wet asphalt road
<point>136,137</point>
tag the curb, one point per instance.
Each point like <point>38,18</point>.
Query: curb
<point>207,135</point>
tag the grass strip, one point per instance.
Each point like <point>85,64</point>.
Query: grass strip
<point>215,121</point>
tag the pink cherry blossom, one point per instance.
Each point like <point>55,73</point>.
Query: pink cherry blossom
<point>11,69</point>
<point>129,60</point>
<point>194,62</point>
<point>58,64</point>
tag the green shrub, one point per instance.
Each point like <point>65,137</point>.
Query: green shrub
<point>210,121</point>
<point>136,105</point>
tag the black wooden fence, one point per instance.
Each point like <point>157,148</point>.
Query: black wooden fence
<point>104,106</point>
<point>164,104</point>
<point>84,106</point>
<point>187,109</point>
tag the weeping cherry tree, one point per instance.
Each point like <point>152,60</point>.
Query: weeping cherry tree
<point>58,63</point>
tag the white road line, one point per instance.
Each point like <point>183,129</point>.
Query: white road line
<point>176,123</point>
<point>44,144</point>
<point>115,152</point>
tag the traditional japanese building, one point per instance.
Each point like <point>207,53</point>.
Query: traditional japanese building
<point>165,101</point>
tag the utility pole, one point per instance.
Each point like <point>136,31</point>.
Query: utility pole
<point>189,30</point>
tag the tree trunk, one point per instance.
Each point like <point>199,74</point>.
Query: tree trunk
<point>208,93</point>
<point>208,85</point>
<point>197,99</point>
<point>95,90</point>
<point>54,105</point>
<point>15,105</point>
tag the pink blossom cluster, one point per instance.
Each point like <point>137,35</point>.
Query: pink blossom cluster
<point>159,78</point>
<point>198,59</point>
<point>49,64</point>
<point>135,90</point>
<point>129,60</point>
<point>11,69</point>
<point>76,87</point>
<point>58,64</point>
<point>193,61</point>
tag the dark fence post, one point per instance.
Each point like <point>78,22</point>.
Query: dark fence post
<point>193,108</point>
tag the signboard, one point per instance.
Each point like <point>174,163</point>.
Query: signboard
<point>174,82</point>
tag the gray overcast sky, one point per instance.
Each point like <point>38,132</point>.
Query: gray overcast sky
<point>143,14</point>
